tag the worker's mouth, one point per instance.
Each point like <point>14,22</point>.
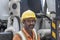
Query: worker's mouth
<point>31,26</point>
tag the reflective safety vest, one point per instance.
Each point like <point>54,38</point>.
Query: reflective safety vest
<point>24,37</point>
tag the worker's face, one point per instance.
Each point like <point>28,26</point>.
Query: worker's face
<point>29,23</point>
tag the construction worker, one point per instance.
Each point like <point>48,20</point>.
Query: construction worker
<point>28,32</point>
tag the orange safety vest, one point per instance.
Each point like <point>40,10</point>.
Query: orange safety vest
<point>25,36</point>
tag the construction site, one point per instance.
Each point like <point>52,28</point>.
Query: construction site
<point>47,12</point>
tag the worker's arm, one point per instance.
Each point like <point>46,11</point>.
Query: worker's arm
<point>16,37</point>
<point>38,37</point>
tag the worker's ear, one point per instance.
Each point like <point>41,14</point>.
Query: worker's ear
<point>23,21</point>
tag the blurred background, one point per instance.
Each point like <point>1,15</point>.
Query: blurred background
<point>11,11</point>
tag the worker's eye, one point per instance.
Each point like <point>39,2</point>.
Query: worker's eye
<point>33,20</point>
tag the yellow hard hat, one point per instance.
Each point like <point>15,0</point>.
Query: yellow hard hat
<point>28,14</point>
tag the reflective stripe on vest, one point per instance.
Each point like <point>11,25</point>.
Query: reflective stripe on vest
<point>24,37</point>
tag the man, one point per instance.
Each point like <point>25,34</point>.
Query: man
<point>28,32</point>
